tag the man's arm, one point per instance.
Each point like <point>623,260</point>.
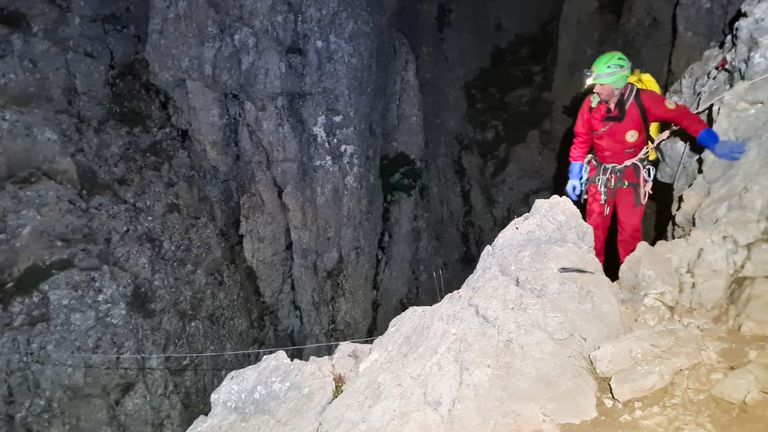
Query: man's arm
<point>660,109</point>
<point>582,143</point>
<point>582,135</point>
<point>664,110</point>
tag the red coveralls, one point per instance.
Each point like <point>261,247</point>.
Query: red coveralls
<point>614,143</point>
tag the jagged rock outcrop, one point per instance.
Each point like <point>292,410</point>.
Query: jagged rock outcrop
<point>209,177</point>
<point>505,352</point>
<point>190,176</point>
<point>702,85</point>
<point>171,201</point>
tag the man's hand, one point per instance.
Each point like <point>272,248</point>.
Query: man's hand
<point>573,188</point>
<point>727,150</point>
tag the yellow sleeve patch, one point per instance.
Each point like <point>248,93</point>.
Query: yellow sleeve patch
<point>671,105</point>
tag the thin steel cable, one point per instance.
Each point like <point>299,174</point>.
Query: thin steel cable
<point>171,355</point>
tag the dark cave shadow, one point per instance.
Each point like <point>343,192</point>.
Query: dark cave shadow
<point>663,195</point>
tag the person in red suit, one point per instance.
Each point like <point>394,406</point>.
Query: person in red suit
<point>612,124</point>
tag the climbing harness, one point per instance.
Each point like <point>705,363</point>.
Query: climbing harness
<point>608,177</point>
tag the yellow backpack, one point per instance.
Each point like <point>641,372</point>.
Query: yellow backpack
<point>645,81</point>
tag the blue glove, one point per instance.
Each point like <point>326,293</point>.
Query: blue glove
<point>727,150</point>
<point>573,188</point>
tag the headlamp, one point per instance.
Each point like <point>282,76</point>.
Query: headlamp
<point>589,78</point>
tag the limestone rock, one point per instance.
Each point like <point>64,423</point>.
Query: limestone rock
<point>747,384</point>
<point>278,394</point>
<point>298,114</point>
<point>650,282</point>
<point>644,361</point>
<point>752,319</point>
<point>757,263</point>
<point>506,351</point>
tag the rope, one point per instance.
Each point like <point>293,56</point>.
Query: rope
<point>191,355</point>
<point>712,102</point>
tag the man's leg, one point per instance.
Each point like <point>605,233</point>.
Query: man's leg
<point>630,219</point>
<point>598,220</point>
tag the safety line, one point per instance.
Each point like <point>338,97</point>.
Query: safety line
<point>737,84</point>
<point>210,354</point>
<point>38,364</point>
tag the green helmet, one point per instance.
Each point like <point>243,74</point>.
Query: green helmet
<point>612,68</point>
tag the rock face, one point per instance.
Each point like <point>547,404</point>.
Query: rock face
<point>108,240</point>
<point>267,396</point>
<point>506,352</point>
<point>188,176</point>
<point>484,70</point>
<point>193,176</point>
<point>704,83</point>
<point>509,350</point>
<point>297,113</point>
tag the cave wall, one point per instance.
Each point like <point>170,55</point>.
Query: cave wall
<point>197,177</point>
<point>109,240</point>
<point>313,111</point>
<point>481,163</point>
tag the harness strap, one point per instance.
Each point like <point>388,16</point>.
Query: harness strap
<point>605,179</point>
<point>610,177</point>
<point>644,116</point>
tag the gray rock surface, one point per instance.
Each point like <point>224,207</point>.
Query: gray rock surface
<point>108,241</point>
<point>278,394</point>
<point>484,71</point>
<point>508,351</point>
<point>644,361</point>
<point>237,177</point>
<point>257,175</point>
<point>300,114</point>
